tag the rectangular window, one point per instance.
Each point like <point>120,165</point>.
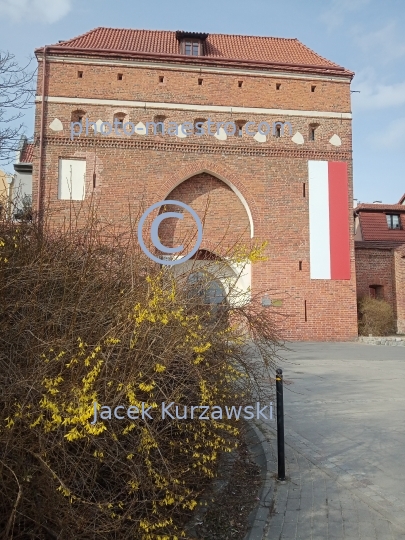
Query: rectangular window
<point>80,74</point>
<point>239,130</point>
<point>72,179</point>
<point>312,134</point>
<point>191,47</point>
<point>393,221</point>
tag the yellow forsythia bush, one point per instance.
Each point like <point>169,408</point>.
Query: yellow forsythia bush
<point>89,324</point>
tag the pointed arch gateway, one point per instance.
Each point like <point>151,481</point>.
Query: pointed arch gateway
<point>227,222</point>
<point>223,179</point>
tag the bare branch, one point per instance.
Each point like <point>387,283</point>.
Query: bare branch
<point>16,95</point>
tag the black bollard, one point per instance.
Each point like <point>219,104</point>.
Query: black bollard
<point>280,425</point>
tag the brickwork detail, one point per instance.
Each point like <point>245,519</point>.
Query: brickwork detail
<point>375,267</point>
<point>141,83</point>
<point>210,198</point>
<point>399,258</point>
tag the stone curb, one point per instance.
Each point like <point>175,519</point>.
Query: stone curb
<point>391,341</point>
<point>261,453</point>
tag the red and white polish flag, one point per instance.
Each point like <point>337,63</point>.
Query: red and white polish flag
<point>329,238</point>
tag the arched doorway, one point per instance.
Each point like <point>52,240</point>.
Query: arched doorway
<point>227,223</point>
<point>205,290</point>
<point>215,279</point>
<point>207,287</point>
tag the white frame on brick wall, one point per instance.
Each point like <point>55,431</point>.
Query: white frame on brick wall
<point>72,179</point>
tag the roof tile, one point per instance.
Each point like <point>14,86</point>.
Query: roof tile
<point>27,153</point>
<point>269,50</point>
<point>380,207</point>
<point>374,227</point>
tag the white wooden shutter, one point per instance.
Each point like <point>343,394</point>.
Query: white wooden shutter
<point>72,179</point>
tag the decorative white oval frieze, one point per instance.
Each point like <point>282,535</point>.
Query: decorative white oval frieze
<point>298,138</point>
<point>56,125</point>
<point>98,125</point>
<point>221,134</point>
<point>140,128</point>
<point>260,137</point>
<point>180,132</point>
<point>335,140</point>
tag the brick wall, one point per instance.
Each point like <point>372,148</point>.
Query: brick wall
<point>375,267</point>
<point>384,267</point>
<point>181,86</point>
<point>399,258</point>
<point>211,199</point>
<point>268,178</point>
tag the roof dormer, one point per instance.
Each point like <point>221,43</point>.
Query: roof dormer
<point>191,43</point>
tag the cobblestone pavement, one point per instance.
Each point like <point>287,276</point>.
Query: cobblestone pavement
<point>345,444</point>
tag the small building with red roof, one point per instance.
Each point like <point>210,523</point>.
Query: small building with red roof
<point>380,254</point>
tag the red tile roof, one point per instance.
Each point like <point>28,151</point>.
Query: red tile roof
<point>380,207</point>
<point>27,153</point>
<point>402,199</point>
<point>374,227</point>
<point>222,48</point>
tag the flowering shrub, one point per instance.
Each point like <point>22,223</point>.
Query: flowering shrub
<point>86,318</point>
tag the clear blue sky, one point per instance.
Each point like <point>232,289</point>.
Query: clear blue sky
<point>365,36</point>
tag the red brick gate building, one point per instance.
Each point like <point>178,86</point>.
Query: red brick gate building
<point>255,181</point>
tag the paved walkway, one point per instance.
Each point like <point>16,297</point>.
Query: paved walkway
<point>345,437</point>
